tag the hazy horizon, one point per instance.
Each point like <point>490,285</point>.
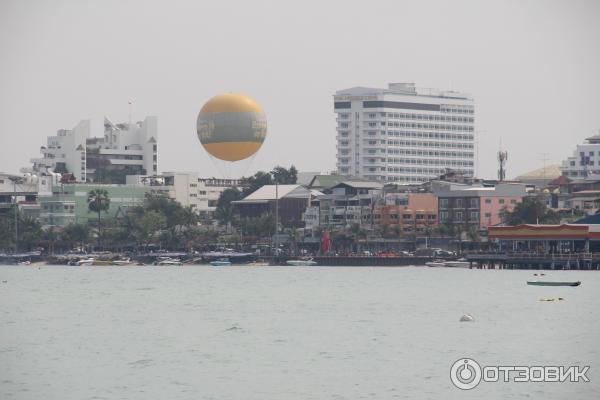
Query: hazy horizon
<point>532,68</point>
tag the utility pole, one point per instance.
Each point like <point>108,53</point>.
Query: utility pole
<point>276,218</point>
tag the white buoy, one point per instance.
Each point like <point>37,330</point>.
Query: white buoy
<point>467,318</point>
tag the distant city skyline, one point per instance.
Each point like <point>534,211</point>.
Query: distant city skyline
<point>531,68</point>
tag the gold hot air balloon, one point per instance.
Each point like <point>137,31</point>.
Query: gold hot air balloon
<point>232,127</point>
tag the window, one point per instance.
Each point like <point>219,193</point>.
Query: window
<point>474,216</point>
<point>501,201</point>
<point>488,215</point>
<point>513,201</point>
<point>458,216</point>
<point>459,203</point>
<point>488,201</point>
<point>474,203</point>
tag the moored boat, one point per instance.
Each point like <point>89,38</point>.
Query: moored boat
<point>167,261</point>
<point>435,263</point>
<point>85,262</point>
<point>460,263</point>
<point>553,283</point>
<point>301,262</point>
<point>125,261</point>
<point>222,262</point>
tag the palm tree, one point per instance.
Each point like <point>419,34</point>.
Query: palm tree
<point>98,201</point>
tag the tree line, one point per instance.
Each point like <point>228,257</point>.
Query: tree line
<point>160,222</point>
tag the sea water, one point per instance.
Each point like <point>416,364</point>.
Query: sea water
<point>201,332</point>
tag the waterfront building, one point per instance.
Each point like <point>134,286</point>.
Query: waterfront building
<point>585,161</point>
<point>566,238</point>
<point>403,134</point>
<point>68,202</point>
<point>125,149</point>
<point>347,203</point>
<point>476,207</point>
<point>291,204</point>
<point>586,201</point>
<point>411,212</point>
<point>201,194</point>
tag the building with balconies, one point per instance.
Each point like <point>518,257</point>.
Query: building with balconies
<point>585,161</point>
<point>411,212</point>
<point>24,191</point>
<point>125,149</point>
<point>347,203</point>
<point>201,194</point>
<point>403,134</point>
<point>475,207</point>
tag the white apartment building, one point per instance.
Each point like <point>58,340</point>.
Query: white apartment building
<point>65,152</point>
<point>187,188</point>
<point>125,149</point>
<point>585,161</point>
<point>403,134</point>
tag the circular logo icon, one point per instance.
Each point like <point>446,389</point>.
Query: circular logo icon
<point>465,373</point>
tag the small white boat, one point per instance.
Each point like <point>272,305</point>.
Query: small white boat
<point>436,263</point>
<point>125,261</point>
<point>85,262</point>
<point>167,261</point>
<point>222,262</point>
<point>24,263</point>
<point>461,263</point>
<point>301,262</point>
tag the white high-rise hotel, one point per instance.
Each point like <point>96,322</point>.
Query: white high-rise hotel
<point>403,134</point>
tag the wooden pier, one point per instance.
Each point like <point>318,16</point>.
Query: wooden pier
<point>528,260</point>
<point>356,261</point>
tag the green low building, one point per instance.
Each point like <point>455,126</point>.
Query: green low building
<point>68,203</point>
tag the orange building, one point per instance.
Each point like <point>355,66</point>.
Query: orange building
<point>413,212</point>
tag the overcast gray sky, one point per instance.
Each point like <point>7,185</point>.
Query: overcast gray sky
<point>533,68</point>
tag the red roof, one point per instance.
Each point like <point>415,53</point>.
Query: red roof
<point>560,181</point>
